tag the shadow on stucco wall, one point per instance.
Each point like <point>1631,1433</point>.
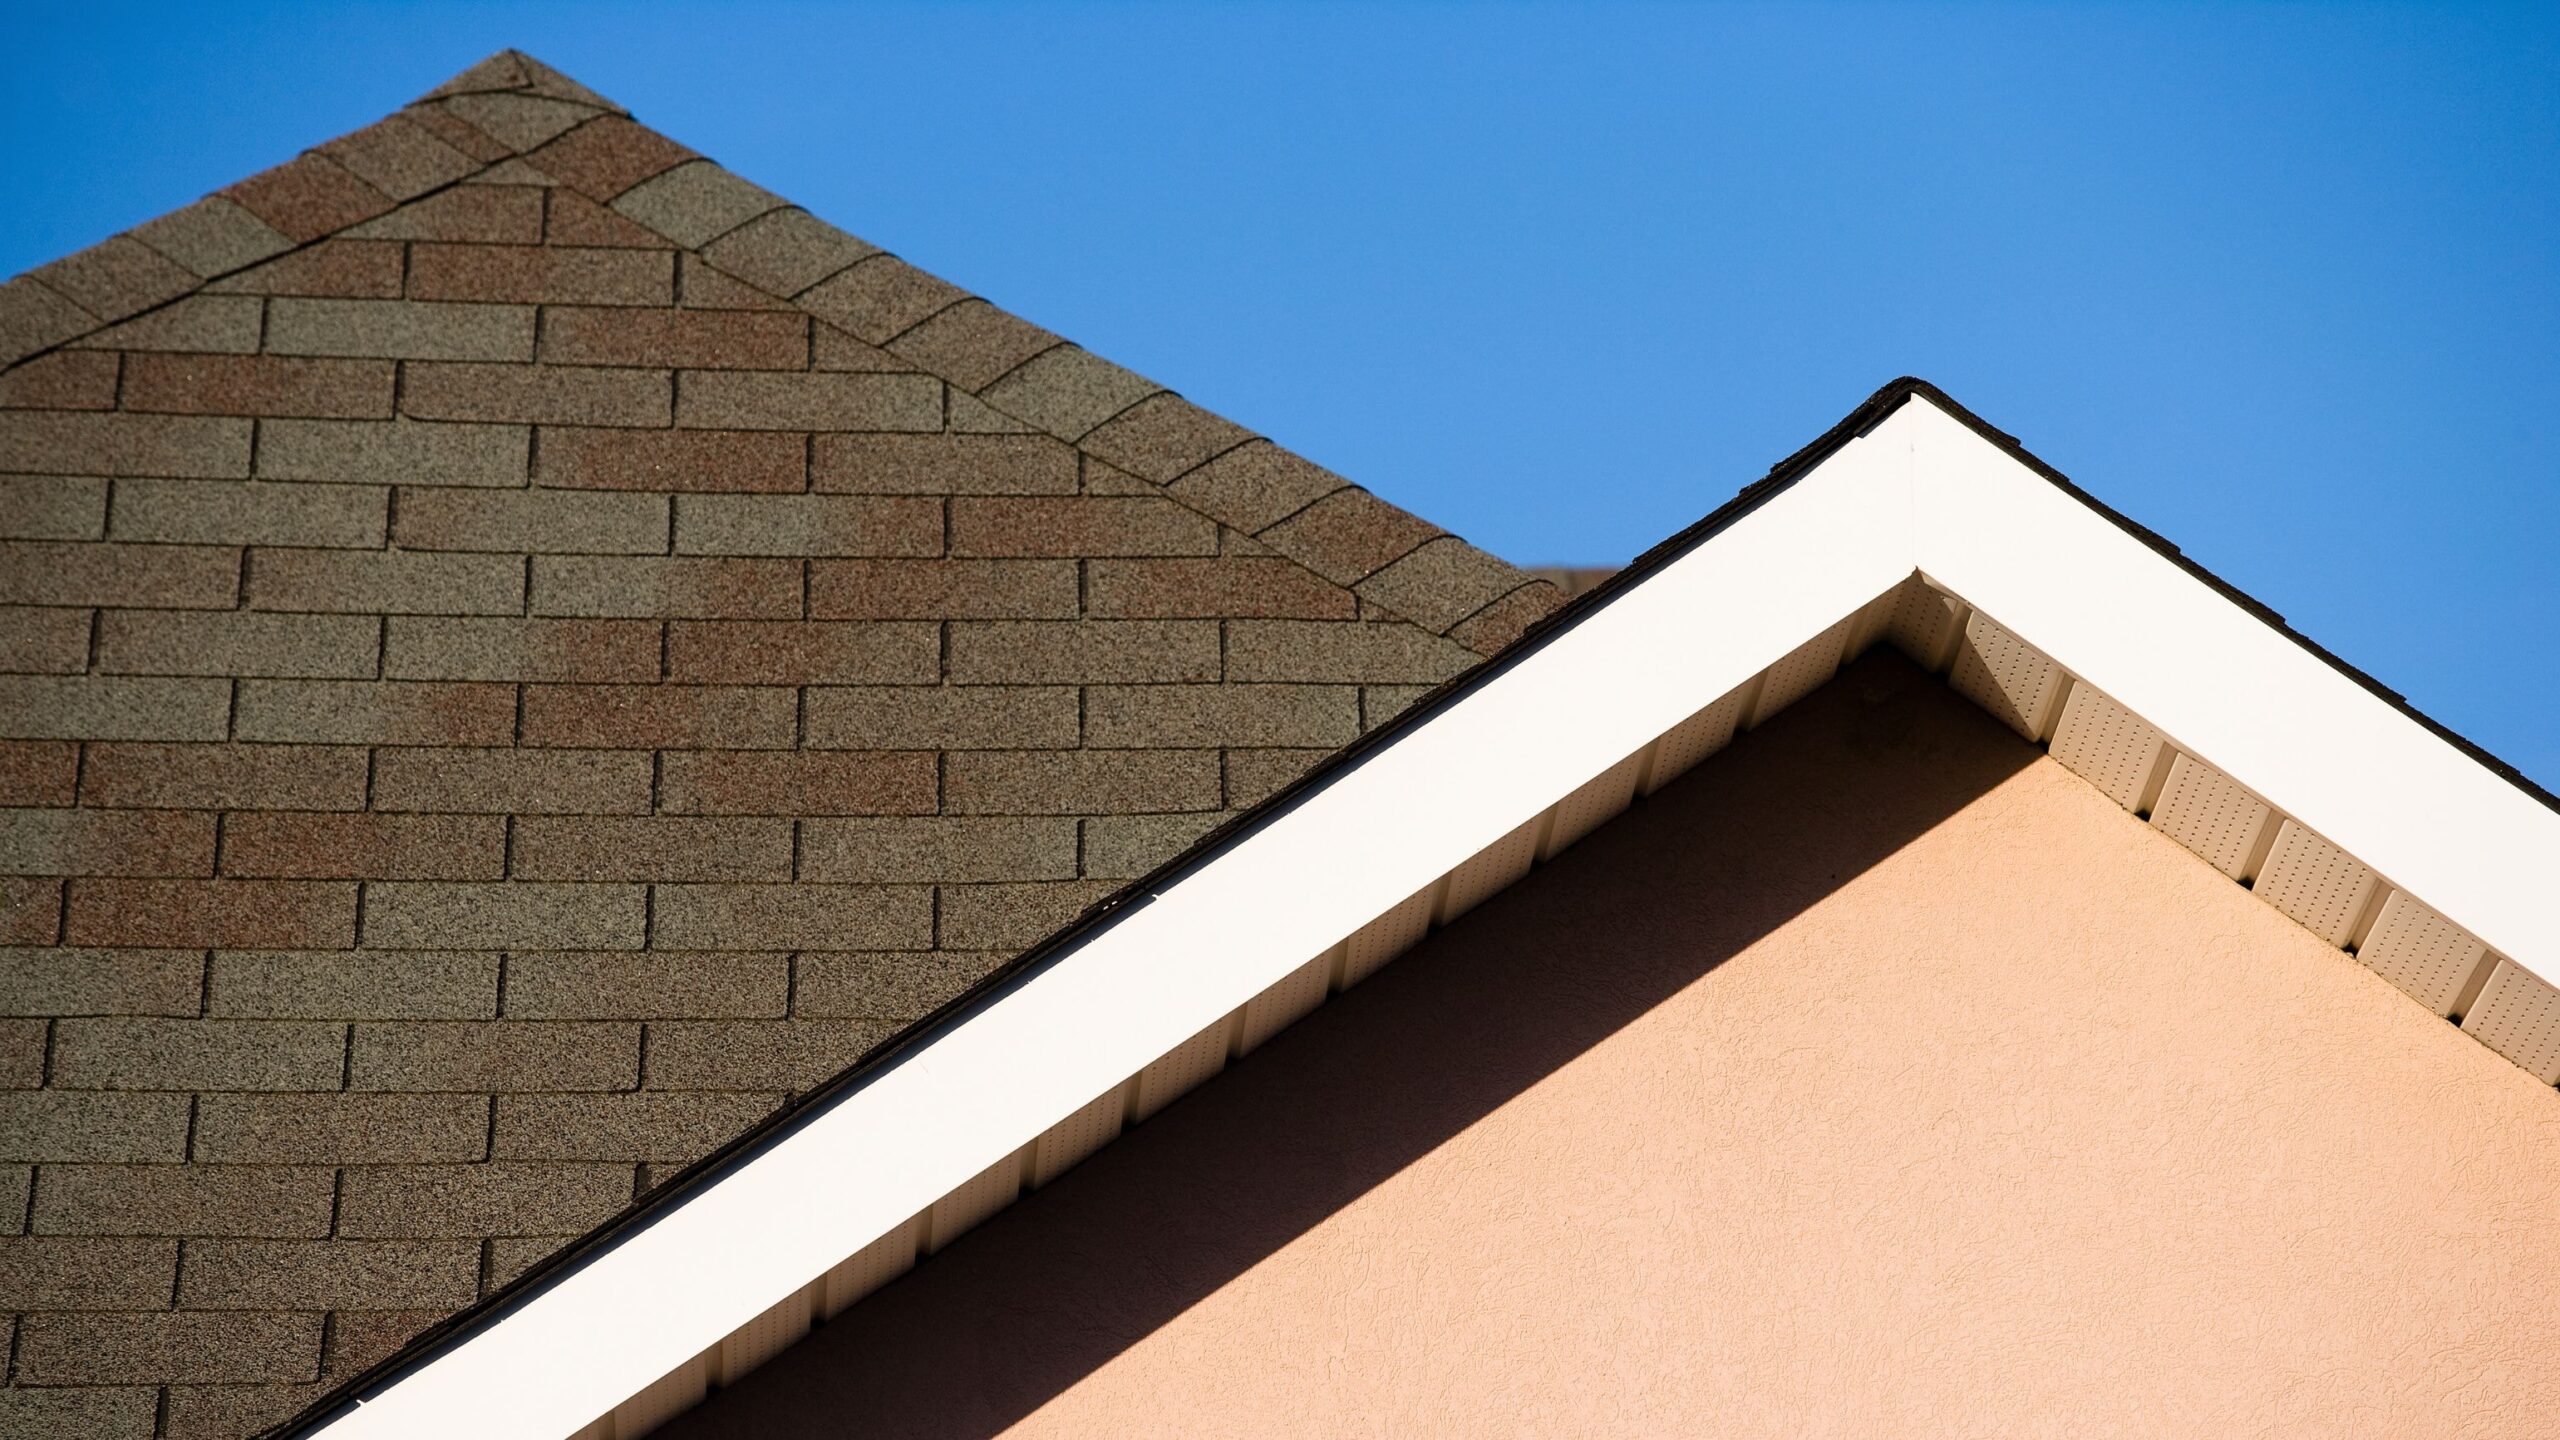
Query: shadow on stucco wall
<point>1020,1309</point>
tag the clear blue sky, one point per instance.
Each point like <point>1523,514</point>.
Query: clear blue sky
<point>2282,282</point>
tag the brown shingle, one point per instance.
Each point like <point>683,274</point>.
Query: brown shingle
<point>541,274</point>
<point>1075,782</point>
<point>330,1274</point>
<point>60,1349</point>
<point>814,525</point>
<point>53,442</point>
<point>971,343</point>
<point>506,648</point>
<point>411,452</point>
<point>221,776</point>
<point>758,652</point>
<point>341,1129</point>
<point>660,716</point>
<point>47,707</point>
<point>552,394</point>
<point>652,848</point>
<point>685,339</point>
<point>361,847</point>
<point>201,577</point>
<point>924,716</point>
<point>105,842</point>
<point>684,587</point>
<point>1030,652</point>
<point>942,589</point>
<point>499,1198</point>
<point>236,642</point>
<point>1337,652</point>
<point>63,380</point>
<point>115,278</point>
<point>504,781</point>
<point>746,782</point>
<point>663,1128</point>
<point>211,237</point>
<point>1084,525</point>
<point>399,330</point>
<point>495,1055</point>
<point>938,847</point>
<point>757,1055</point>
<point>543,521</point>
<point>258,385</point>
<point>880,298</point>
<point>395,582</point>
<point>158,1054</point>
<point>374,712</point>
<point>658,986</point>
<point>714,460</point>
<point>943,465</point>
<point>87,1273</point>
<point>399,157</point>
<point>308,197</point>
<point>235,913</point>
<point>249,512</point>
<point>792,917</point>
<point>472,214</point>
<point>607,156</point>
<point>694,202</point>
<point>201,324</point>
<point>38,772</point>
<point>348,269</point>
<point>1233,587</point>
<point>889,986</point>
<point>786,251</point>
<point>63,1127</point>
<point>101,982</point>
<point>434,915</point>
<point>365,985</point>
<point>757,400</point>
<point>43,641</point>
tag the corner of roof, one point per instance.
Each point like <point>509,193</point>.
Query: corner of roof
<point>511,71</point>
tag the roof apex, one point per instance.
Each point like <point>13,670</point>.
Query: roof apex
<point>513,71</point>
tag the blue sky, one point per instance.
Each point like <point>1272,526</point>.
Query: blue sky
<point>2281,282</point>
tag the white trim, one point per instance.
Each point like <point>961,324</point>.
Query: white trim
<point>1919,492</point>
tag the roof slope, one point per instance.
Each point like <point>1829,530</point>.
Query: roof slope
<point>519,651</point>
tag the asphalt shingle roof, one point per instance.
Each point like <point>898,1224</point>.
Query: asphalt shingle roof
<point>520,650</point>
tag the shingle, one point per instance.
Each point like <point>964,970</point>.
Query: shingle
<point>258,385</point>
<point>53,982</point>
<point>833,349</point>
<point>63,380</point>
<point>570,218</point>
<point>519,122</point>
<point>91,707</point>
<point>657,986</point>
<point>400,329</point>
<point>1502,622</point>
<point>1382,703</point>
<point>1441,583</point>
<point>425,915</point>
<point>499,1198</point>
<point>399,157</point>
<point>52,507</point>
<point>232,642</point>
<point>407,452</point>
<point>746,782</point>
<point>243,913</point>
<point>102,1413</point>
<point>116,277</point>
<point>221,777</point>
<point>792,917</point>
<point>171,1346</point>
<point>607,156</point>
<point>495,1055</point>
<point>1031,652</point>
<point>363,985</point>
<point>1067,391</point>
<point>1075,782</point>
<point>923,717</point>
<point>379,582</point>
<point>158,1054</point>
<point>330,1274</point>
<point>759,1055</point>
<point>307,197</point>
<point>1009,917</point>
<point>212,237</point>
<point>943,465</point>
<point>971,343</point>
<point>694,202</point>
<point>1252,775</point>
<point>1164,436</point>
<point>38,772</point>
<point>42,641</point>
<point>942,589</point>
<point>465,214</point>
<point>1080,525</point>
<point>786,251</point>
<point>58,443</point>
<point>684,339</point>
<point>763,400</point>
<point>30,910</point>
<point>364,847</point>
<point>1231,587</point>
<point>879,298</point>
<point>699,286</point>
<point>227,1412</point>
<point>684,587</point>
<point>897,986</point>
<point>813,525</point>
<point>1206,715</point>
<point>669,1129</point>
<point>340,1129</point>
<point>192,1200</point>
<point>105,842</point>
<point>158,576</point>
<point>541,274</point>
<point>1124,847</point>
<point>657,847</point>
<point>452,130</point>
<point>249,512</point>
<point>786,652</point>
<point>1340,652</point>
<point>712,717</point>
<point>33,317</point>
<point>60,1127</point>
<point>508,648</point>
<point>504,781</point>
<point>543,521</point>
<point>348,269</point>
<point>375,712</point>
<point>938,847</point>
<point>201,324</point>
<point>550,394</point>
<point>714,460</point>
<point>1348,535</point>
<point>87,1272</point>
<point>1255,485</point>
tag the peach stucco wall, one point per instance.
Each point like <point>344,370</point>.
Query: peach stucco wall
<point>1880,1078</point>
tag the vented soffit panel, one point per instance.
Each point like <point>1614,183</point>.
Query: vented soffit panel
<point>2032,594</point>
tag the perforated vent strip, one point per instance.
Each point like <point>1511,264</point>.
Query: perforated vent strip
<point>2518,1015</point>
<point>1593,805</point>
<point>1919,621</point>
<point>1294,998</point>
<point>764,1337</point>
<point>1800,672</point>
<point>982,1195</point>
<point>2006,676</point>
<point>2423,953</point>
<point>2323,888</point>
<point>1065,1145</point>
<point>2107,745</point>
<point>2204,810</point>
<point>1696,738</point>
<point>1492,869</point>
<point>1387,937</point>
<point>872,1266</point>
<point>1185,1066</point>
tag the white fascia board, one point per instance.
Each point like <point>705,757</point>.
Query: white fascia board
<point>1161,971</point>
<point>2229,688</point>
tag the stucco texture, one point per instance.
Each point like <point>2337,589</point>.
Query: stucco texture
<point>1880,1077</point>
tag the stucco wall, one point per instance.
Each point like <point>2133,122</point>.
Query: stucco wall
<point>1879,1078</point>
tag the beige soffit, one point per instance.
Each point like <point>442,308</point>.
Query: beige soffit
<point>1910,524</point>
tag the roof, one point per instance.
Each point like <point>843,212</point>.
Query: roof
<point>520,652</point>
<point>1911,524</point>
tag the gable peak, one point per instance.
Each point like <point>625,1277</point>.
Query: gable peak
<point>512,71</point>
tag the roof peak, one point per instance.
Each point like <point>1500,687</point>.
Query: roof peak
<point>511,71</point>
